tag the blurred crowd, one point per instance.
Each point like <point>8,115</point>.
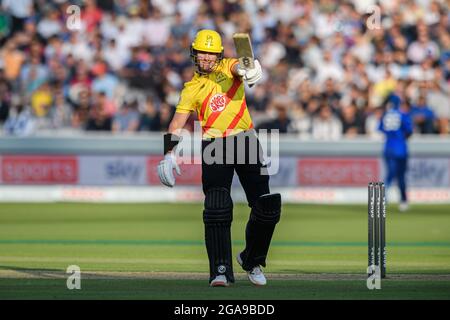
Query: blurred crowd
<point>329,66</point>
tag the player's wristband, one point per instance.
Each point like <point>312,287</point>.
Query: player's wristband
<point>170,141</point>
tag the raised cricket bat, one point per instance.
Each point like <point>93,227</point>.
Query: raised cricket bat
<point>244,50</point>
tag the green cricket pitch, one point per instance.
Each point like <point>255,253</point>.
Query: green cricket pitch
<point>156,251</point>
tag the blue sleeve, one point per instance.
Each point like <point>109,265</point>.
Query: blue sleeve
<point>380,125</point>
<point>407,126</point>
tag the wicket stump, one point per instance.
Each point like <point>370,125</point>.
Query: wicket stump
<point>377,227</point>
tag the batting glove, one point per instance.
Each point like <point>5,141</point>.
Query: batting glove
<point>251,75</point>
<point>165,170</point>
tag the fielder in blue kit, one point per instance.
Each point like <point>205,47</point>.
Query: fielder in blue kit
<point>397,127</point>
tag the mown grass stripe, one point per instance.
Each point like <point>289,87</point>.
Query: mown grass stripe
<point>200,242</point>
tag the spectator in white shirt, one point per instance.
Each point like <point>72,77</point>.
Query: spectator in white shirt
<point>157,30</point>
<point>422,49</point>
<point>325,125</point>
<point>115,56</point>
<point>50,25</point>
<point>78,48</point>
<point>20,122</point>
<point>328,69</point>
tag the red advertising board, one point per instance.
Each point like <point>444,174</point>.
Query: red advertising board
<point>36,169</point>
<point>191,174</point>
<point>348,172</point>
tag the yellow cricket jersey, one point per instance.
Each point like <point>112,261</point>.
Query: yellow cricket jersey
<point>219,100</point>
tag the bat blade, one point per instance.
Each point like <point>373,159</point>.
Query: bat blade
<point>244,50</point>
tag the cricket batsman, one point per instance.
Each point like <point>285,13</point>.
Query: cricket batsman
<point>216,93</point>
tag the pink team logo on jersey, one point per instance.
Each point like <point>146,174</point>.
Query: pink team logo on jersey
<point>218,102</point>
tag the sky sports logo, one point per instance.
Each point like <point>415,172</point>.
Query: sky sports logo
<point>120,169</point>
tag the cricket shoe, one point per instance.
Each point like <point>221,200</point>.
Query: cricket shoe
<point>256,276</point>
<point>219,281</point>
<point>403,206</point>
